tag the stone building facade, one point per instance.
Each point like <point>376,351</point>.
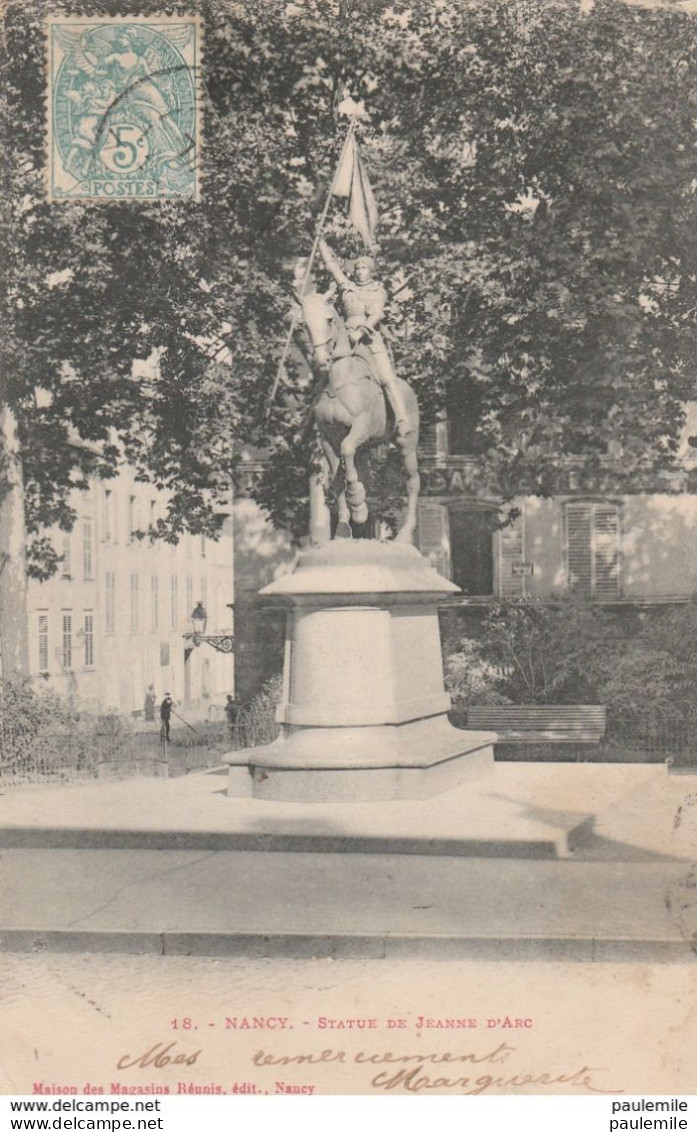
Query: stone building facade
<point>614,545</point>
<point>620,548</point>
<point>113,620</point>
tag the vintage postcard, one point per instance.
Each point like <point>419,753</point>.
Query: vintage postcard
<point>348,544</point>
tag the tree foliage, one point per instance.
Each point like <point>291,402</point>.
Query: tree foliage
<point>530,651</point>
<point>641,665</point>
<point>535,169</point>
<point>42,732</point>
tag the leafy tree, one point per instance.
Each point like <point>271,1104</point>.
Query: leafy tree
<point>652,683</point>
<point>641,666</point>
<point>535,169</point>
<point>257,723</point>
<point>41,732</point>
<point>530,651</point>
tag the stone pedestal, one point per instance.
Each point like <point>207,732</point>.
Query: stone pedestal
<point>363,714</point>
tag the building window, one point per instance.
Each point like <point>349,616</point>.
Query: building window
<point>88,640</point>
<point>203,546</point>
<point>109,531</point>
<point>67,641</point>
<point>511,554</point>
<point>132,517</point>
<point>164,654</point>
<point>459,543</point>
<point>428,441</point>
<point>110,601</point>
<point>43,642</point>
<point>87,565</point>
<point>203,590</point>
<point>174,601</point>
<point>154,603</point>
<point>592,552</point>
<point>135,602</point>
<point>189,594</point>
<point>433,438</point>
<point>433,536</point>
<point>465,409</point>
<point>66,565</point>
<point>472,551</point>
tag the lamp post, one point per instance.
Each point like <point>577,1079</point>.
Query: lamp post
<point>221,642</point>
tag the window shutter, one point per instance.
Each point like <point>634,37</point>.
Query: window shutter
<point>66,567</point>
<point>87,549</point>
<point>428,441</point>
<point>592,548</point>
<point>43,642</point>
<point>433,439</point>
<point>511,551</point>
<point>578,547</point>
<point>110,601</point>
<point>88,639</point>
<point>606,551</point>
<point>434,542</point>
<point>67,650</point>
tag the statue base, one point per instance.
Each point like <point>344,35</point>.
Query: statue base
<point>364,711</point>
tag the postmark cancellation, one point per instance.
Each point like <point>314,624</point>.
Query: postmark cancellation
<point>124,118</point>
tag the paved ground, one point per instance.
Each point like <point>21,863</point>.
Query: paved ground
<point>467,872</point>
<point>516,810</point>
<point>318,904</point>
<point>523,962</point>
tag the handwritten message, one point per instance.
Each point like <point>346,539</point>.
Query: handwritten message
<point>472,1065</point>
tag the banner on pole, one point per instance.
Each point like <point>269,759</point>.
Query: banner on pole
<point>352,182</point>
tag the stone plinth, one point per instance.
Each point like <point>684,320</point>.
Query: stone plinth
<point>363,714</point>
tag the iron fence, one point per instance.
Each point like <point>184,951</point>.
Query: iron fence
<point>653,736</point>
<point>58,755</point>
<point>253,733</point>
<point>647,734</point>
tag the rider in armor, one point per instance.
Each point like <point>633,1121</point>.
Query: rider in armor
<point>363,301</point>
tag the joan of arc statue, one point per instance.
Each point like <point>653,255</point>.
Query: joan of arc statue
<point>363,301</point>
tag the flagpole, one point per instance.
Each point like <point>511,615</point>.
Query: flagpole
<point>318,236</point>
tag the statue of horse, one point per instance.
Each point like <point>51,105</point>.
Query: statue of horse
<point>351,412</point>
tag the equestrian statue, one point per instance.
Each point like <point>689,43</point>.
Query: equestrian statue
<point>361,402</point>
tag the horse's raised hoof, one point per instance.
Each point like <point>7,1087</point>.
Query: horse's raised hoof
<point>343,530</point>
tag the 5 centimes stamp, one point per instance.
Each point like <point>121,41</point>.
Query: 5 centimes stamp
<point>124,108</point>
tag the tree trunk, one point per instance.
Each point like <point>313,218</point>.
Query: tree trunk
<point>14,638</point>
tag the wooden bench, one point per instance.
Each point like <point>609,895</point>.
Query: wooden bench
<point>541,723</point>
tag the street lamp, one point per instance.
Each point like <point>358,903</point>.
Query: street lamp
<point>222,642</point>
<point>199,618</point>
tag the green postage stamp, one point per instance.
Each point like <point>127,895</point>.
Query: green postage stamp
<point>124,108</point>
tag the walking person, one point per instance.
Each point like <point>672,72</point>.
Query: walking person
<point>166,714</point>
<point>231,711</point>
<point>149,705</point>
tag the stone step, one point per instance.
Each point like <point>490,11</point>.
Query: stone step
<point>486,818</point>
<point>179,902</point>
